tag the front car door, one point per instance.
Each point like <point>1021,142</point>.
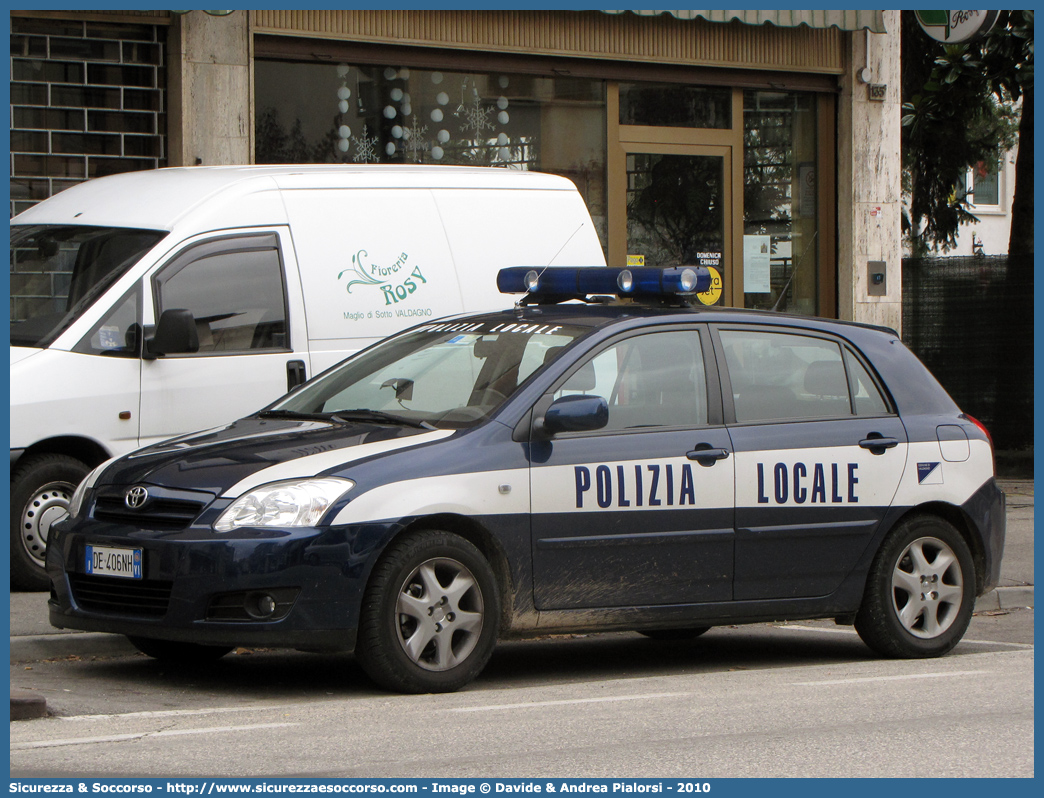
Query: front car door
<point>819,455</point>
<point>632,515</point>
<point>242,303</point>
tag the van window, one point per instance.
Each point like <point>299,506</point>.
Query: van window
<point>118,334</point>
<point>59,271</point>
<point>237,297</point>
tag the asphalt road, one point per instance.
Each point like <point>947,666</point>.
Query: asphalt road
<point>788,700</point>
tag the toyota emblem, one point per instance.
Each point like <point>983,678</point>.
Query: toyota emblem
<point>136,497</point>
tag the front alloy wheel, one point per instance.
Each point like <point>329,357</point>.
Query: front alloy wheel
<point>428,622</point>
<point>440,614</point>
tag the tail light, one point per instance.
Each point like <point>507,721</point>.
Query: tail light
<point>986,432</point>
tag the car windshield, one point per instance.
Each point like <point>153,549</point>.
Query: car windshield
<point>450,375</point>
<point>58,271</point>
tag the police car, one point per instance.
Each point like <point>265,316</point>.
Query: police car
<point>621,462</point>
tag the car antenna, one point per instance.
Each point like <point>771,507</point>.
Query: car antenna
<point>521,299</point>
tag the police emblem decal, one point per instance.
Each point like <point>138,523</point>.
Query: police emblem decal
<point>929,474</point>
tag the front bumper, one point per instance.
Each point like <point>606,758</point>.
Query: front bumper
<point>192,577</point>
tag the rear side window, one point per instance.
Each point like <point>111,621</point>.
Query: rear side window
<point>780,376</point>
<point>235,291</point>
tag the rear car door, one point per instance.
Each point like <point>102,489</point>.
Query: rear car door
<point>632,514</point>
<point>819,455</point>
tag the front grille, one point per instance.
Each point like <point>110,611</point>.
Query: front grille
<point>143,598</point>
<point>156,514</point>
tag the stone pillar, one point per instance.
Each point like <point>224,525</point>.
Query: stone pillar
<point>210,101</point>
<point>869,183</point>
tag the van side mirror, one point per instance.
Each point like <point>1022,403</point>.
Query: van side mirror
<point>580,413</point>
<point>175,334</point>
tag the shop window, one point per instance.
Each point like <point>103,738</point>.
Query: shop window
<point>779,201</point>
<point>385,114</point>
<point>672,105</point>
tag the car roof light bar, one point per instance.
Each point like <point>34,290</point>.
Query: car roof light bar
<point>560,283</point>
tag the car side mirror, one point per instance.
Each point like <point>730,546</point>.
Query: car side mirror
<point>175,334</point>
<point>581,413</point>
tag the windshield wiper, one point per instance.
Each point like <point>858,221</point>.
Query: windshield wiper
<point>295,415</point>
<point>347,417</point>
<point>363,414</point>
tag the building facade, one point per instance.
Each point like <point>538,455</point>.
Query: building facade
<point>762,144</point>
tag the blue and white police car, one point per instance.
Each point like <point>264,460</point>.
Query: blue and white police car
<point>614,463</point>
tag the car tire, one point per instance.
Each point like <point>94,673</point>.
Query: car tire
<point>180,653</point>
<point>668,635</point>
<point>920,592</point>
<point>41,488</point>
<point>428,622</point>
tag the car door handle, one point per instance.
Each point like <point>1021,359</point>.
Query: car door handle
<point>295,374</point>
<point>877,444</point>
<point>707,455</point>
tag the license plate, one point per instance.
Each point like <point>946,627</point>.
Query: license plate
<point>111,561</point>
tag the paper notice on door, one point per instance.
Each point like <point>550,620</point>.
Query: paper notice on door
<point>757,254</point>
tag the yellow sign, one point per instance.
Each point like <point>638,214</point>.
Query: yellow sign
<point>636,260</point>
<point>712,294</point>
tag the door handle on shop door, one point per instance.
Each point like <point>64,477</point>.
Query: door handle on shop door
<point>707,455</point>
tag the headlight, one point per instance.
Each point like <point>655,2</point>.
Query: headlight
<point>76,502</point>
<point>292,503</point>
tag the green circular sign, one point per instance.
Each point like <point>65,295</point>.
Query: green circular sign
<point>956,27</point>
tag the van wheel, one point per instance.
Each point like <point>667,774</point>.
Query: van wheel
<point>41,488</point>
<point>180,653</point>
<point>428,622</point>
<point>920,592</point>
<point>674,634</point>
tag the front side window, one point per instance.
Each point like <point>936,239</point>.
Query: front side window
<point>442,375</point>
<point>236,297</point>
<point>780,376</point>
<point>653,380</point>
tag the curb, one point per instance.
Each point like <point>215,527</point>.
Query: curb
<point>32,648</point>
<point>26,705</point>
<point>1005,598</point>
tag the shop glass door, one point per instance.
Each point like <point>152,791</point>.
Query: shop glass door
<point>679,209</point>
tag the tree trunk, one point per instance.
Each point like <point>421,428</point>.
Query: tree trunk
<point>1013,427</point>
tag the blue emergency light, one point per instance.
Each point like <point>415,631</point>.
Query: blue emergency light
<point>556,283</point>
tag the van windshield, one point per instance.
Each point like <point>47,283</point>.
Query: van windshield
<point>445,375</point>
<point>58,271</point>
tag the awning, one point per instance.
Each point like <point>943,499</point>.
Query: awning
<point>843,19</point>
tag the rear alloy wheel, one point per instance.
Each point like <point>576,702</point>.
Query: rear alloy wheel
<point>429,617</point>
<point>179,653</point>
<point>41,488</point>
<point>920,592</point>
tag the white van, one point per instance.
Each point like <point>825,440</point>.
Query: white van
<point>150,304</point>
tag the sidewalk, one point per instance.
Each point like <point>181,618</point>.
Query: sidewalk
<point>33,638</point>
